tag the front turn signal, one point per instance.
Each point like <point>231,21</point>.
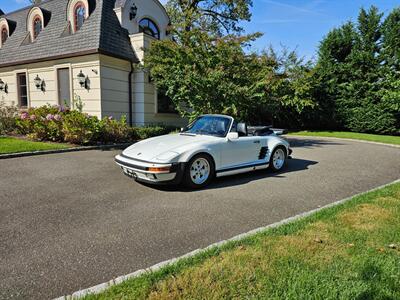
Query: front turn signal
<point>159,169</point>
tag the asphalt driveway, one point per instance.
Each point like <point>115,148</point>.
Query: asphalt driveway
<point>70,221</point>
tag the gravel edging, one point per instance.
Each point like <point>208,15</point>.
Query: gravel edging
<point>342,139</point>
<point>72,149</point>
<point>97,289</point>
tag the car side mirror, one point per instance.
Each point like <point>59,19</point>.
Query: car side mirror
<point>232,136</point>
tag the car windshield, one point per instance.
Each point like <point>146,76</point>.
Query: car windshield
<point>210,125</point>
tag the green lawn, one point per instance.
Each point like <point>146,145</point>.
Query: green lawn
<point>349,251</point>
<point>387,139</point>
<point>15,145</point>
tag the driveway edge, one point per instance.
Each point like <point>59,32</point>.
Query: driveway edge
<point>103,286</point>
<point>343,139</point>
<point>74,149</point>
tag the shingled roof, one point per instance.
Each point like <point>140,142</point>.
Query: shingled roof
<point>101,33</point>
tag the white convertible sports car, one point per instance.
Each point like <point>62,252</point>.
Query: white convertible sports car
<point>212,145</point>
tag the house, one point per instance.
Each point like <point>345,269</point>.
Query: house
<point>85,51</point>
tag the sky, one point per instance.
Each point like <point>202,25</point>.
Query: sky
<point>297,24</point>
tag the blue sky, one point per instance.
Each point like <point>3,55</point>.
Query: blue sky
<point>297,24</point>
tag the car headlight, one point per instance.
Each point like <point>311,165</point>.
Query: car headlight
<point>166,156</point>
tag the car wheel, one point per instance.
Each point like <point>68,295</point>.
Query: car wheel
<point>278,159</point>
<point>199,171</point>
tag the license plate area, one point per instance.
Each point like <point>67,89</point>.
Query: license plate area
<point>130,173</point>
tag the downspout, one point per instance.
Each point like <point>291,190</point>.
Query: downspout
<point>130,100</point>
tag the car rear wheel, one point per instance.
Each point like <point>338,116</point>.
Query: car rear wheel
<point>278,159</point>
<point>199,171</point>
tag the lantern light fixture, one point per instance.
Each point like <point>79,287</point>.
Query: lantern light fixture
<point>83,80</point>
<point>133,12</point>
<point>3,86</point>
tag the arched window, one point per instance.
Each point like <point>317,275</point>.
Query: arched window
<point>147,26</point>
<point>79,15</point>
<point>4,35</point>
<point>37,26</point>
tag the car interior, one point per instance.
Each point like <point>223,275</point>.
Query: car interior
<point>243,130</point>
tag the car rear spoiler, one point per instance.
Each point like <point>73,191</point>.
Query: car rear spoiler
<point>265,130</point>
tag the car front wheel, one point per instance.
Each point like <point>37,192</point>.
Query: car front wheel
<point>277,160</point>
<point>199,171</point>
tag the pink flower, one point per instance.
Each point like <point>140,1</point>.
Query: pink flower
<point>49,117</point>
<point>57,117</point>
<point>24,116</point>
<point>33,117</point>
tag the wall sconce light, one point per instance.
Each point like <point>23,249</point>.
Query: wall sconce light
<point>133,12</point>
<point>3,86</point>
<point>83,80</point>
<point>39,83</point>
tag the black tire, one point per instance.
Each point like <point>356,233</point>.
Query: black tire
<point>191,182</point>
<point>272,166</point>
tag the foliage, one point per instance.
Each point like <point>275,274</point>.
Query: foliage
<point>79,128</point>
<point>358,72</point>
<point>7,118</point>
<point>141,133</point>
<point>215,17</point>
<point>217,76</point>
<point>57,123</point>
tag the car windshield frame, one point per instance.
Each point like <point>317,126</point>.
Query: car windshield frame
<point>190,128</point>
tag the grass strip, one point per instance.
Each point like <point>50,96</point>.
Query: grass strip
<point>349,251</point>
<point>15,145</point>
<point>386,139</point>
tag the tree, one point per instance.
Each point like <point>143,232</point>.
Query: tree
<point>216,17</point>
<point>356,74</point>
<point>205,68</point>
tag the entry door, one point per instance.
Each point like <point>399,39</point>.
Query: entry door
<point>64,92</point>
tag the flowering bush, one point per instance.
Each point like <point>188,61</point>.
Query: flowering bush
<point>60,124</point>
<point>42,123</point>
<point>7,118</point>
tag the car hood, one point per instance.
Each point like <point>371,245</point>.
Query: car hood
<point>164,148</point>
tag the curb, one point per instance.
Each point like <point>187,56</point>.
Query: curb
<point>342,139</point>
<point>103,286</point>
<point>75,149</point>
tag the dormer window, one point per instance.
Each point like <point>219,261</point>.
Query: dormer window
<point>147,26</point>
<point>37,26</point>
<point>37,20</point>
<point>4,35</point>
<point>79,15</point>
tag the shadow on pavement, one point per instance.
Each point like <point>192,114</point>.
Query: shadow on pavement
<point>293,165</point>
<point>310,142</point>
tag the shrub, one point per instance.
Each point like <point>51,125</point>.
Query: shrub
<point>80,128</point>
<point>8,116</point>
<point>114,131</point>
<point>141,133</point>
<point>42,123</point>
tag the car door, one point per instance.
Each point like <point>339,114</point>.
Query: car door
<point>243,151</point>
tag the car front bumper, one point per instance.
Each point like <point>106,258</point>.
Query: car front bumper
<point>140,170</point>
